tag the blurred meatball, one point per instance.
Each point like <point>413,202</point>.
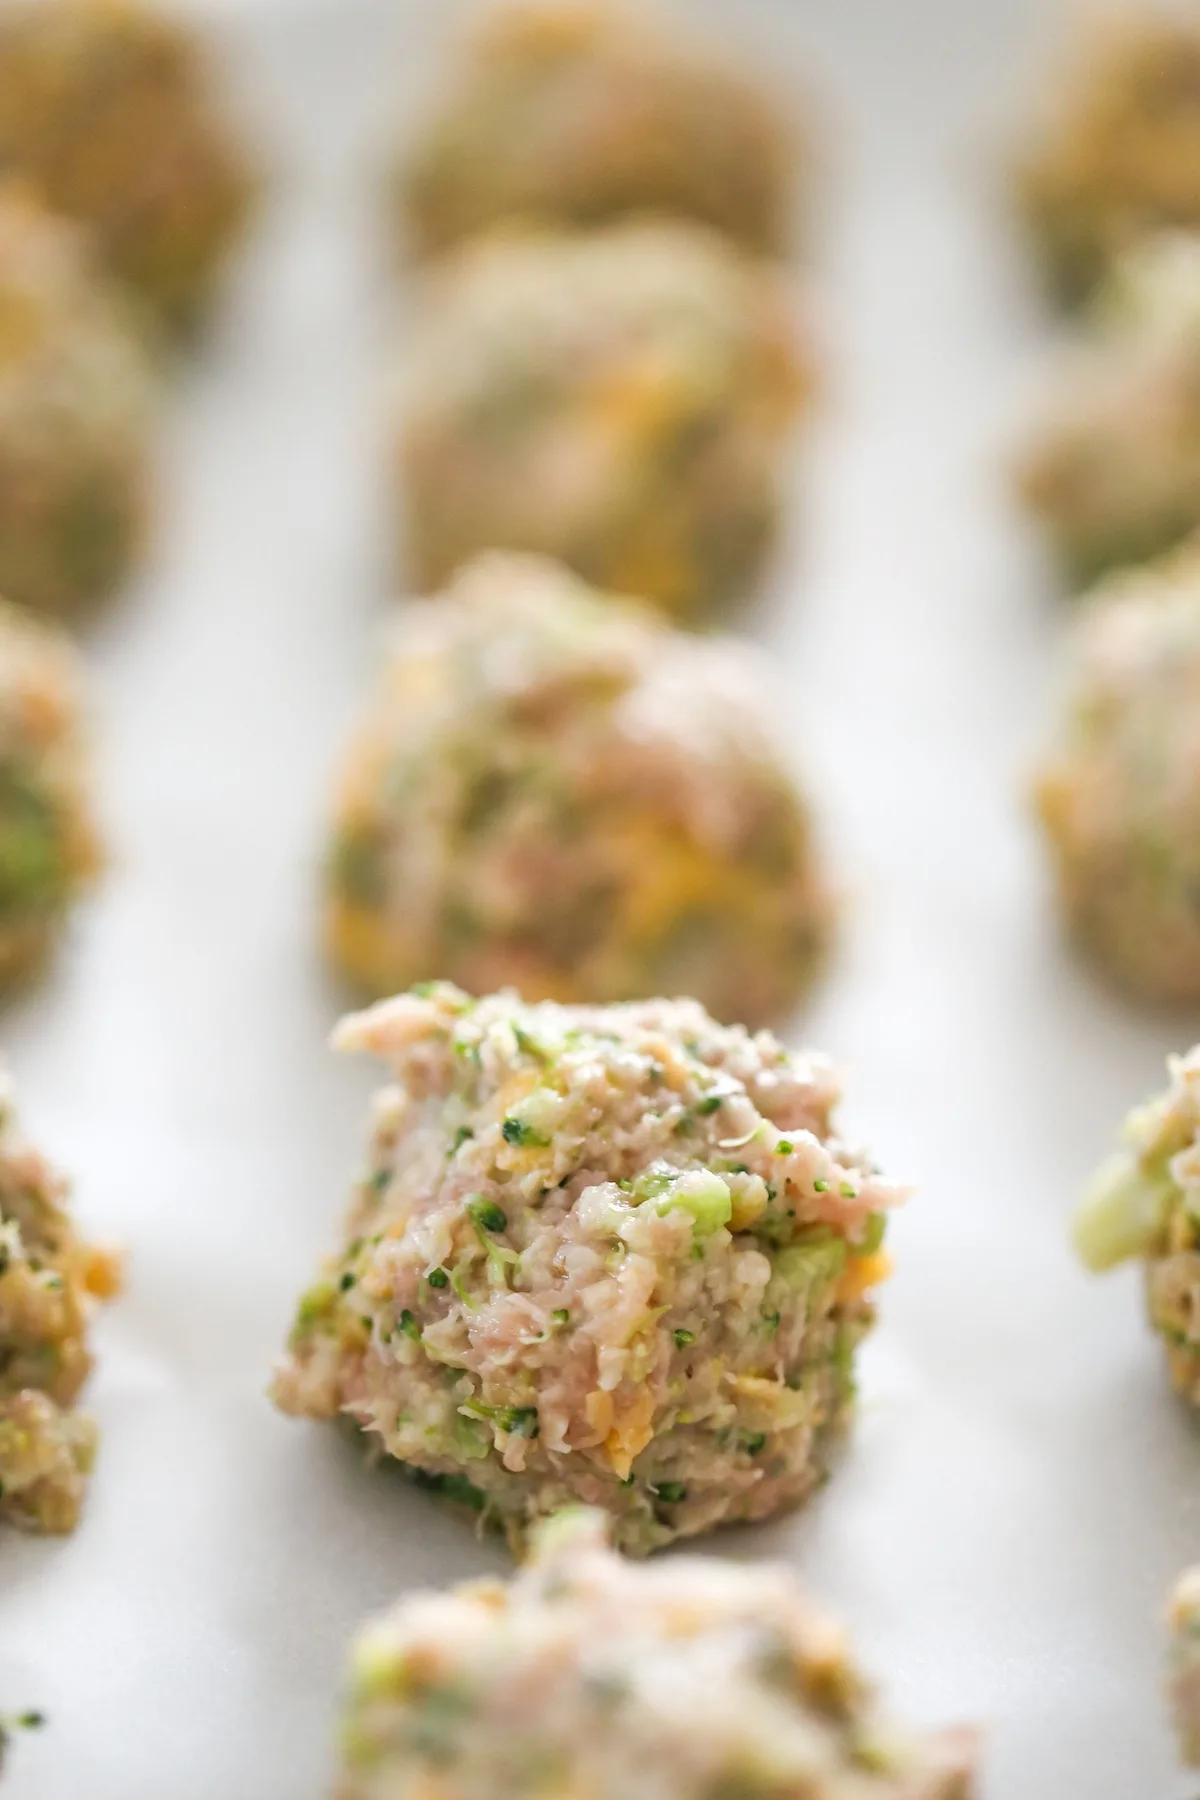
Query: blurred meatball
<point>687,1680</point>
<point>612,1254</point>
<point>76,416</point>
<point>619,400</point>
<point>109,107</point>
<point>1143,1205</point>
<point>574,112</point>
<point>48,850</point>
<point>1113,470</point>
<point>50,1282</point>
<point>1118,153</point>
<point>558,791</point>
<point>1183,1620</point>
<point>1119,795</point>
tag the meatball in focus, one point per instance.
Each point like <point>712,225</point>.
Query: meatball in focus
<point>108,107</point>
<point>1119,152</point>
<point>50,1282</point>
<point>615,1255</point>
<point>76,415</point>
<point>48,847</point>
<point>1119,796</point>
<point>684,1680</point>
<point>1113,472</point>
<point>559,792</point>
<point>1144,1203</point>
<point>620,400</point>
<point>576,112</point>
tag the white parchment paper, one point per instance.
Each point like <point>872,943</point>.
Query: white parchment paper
<point>1021,1487</point>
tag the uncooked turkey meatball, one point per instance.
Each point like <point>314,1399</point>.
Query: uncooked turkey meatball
<point>559,792</point>
<point>1144,1204</point>
<point>684,1680</point>
<point>620,400</point>
<point>48,844</point>
<point>50,1282</point>
<point>575,112</point>
<point>1119,794</point>
<point>1183,1619</point>
<point>1113,468</point>
<point>108,107</point>
<point>76,418</point>
<point>1118,154</point>
<point>617,1255</point>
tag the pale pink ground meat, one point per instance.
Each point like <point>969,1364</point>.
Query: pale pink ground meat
<point>589,1676</point>
<point>610,1254</point>
<point>1183,1620</point>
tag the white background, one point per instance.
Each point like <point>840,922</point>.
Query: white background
<point>1021,1487</point>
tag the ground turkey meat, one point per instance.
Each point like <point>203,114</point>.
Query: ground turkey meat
<point>49,1283</point>
<point>561,793</point>
<point>589,1675</point>
<point>1183,1669</point>
<point>1112,470</point>
<point>610,1254</point>
<point>1145,1203</point>
<point>107,106</point>
<point>1118,153</point>
<point>620,400</point>
<point>48,847</point>
<point>76,417</point>
<point>574,112</point>
<point>1119,794</point>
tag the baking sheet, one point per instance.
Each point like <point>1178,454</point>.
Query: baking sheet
<point>1021,1487</point>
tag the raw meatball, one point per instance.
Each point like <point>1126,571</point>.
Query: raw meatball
<point>683,1681</point>
<point>574,112</point>
<point>48,850</point>
<point>107,106</point>
<point>76,413</point>
<point>1119,155</point>
<point>620,400</point>
<point>560,792</point>
<point>1183,1619</point>
<point>49,1283</point>
<point>1145,1203</point>
<point>1120,795</point>
<point>610,1254</point>
<point>1114,470</point>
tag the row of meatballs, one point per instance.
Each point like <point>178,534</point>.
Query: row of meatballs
<point>1114,475</point>
<point>634,1258</point>
<point>606,1299</point>
<point>618,1257</point>
<point>1111,472</point>
<point>614,1254</point>
<point>618,398</point>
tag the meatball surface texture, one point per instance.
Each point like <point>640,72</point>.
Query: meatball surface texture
<point>1183,1667</point>
<point>612,1254</point>
<point>1119,793</point>
<point>49,850</point>
<point>575,112</point>
<point>77,405</point>
<point>1112,470</point>
<point>1144,1204</point>
<point>50,1281</point>
<point>557,791</point>
<point>109,108</point>
<point>1118,154</point>
<point>620,400</point>
<point>678,1681</point>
